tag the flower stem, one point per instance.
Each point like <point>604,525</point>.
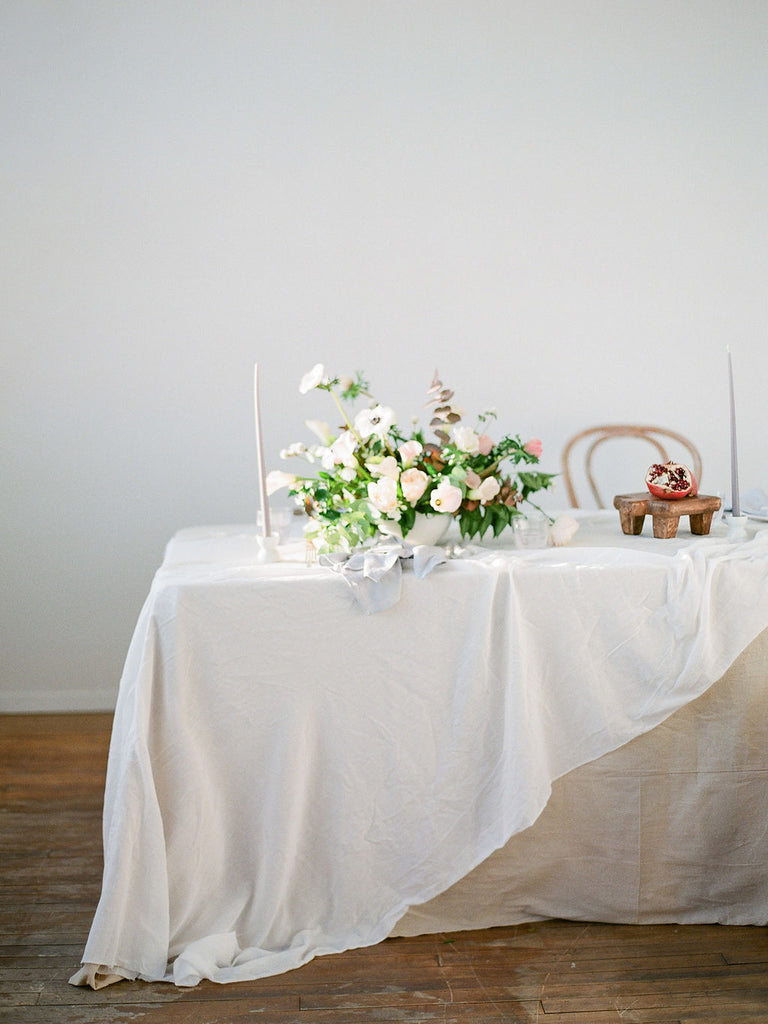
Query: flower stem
<point>343,412</point>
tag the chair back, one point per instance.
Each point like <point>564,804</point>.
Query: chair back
<point>658,437</point>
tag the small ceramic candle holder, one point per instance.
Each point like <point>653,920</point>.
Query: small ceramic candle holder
<point>267,549</point>
<point>737,527</point>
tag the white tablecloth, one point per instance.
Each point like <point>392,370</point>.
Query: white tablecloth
<point>288,775</point>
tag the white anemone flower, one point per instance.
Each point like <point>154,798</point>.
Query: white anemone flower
<point>377,420</point>
<point>315,377</point>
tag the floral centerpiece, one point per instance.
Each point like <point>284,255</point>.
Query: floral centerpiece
<point>373,477</point>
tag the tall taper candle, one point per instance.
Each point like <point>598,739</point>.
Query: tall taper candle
<point>735,503</point>
<point>266,522</point>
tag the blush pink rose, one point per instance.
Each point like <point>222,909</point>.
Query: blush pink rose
<point>534,447</point>
<point>485,444</point>
<point>382,494</point>
<point>413,483</point>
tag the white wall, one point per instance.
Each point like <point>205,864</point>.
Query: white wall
<point>561,204</point>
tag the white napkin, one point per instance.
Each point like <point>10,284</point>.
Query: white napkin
<point>374,574</point>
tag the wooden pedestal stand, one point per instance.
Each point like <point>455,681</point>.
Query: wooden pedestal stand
<point>633,508</point>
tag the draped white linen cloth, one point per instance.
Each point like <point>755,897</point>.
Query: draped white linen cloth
<point>288,775</point>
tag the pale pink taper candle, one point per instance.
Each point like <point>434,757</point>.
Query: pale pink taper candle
<point>265,519</point>
<point>735,503</point>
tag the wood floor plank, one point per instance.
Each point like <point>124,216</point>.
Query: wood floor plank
<point>548,972</point>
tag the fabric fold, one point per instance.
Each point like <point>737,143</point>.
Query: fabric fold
<point>296,776</point>
<point>375,574</point>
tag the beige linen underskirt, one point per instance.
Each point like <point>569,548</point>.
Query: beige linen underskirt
<point>672,827</point>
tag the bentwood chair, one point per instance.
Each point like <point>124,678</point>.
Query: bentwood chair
<point>658,437</point>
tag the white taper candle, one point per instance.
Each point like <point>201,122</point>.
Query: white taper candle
<point>265,518</point>
<point>735,502</point>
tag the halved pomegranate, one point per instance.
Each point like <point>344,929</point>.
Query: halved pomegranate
<point>671,480</point>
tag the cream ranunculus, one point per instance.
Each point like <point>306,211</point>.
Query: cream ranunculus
<point>446,497</point>
<point>413,483</point>
<point>312,379</point>
<point>382,494</point>
<point>466,440</point>
<point>374,421</point>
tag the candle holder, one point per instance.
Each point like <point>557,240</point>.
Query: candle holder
<point>267,549</point>
<point>737,527</point>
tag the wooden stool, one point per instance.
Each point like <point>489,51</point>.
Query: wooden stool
<point>633,508</point>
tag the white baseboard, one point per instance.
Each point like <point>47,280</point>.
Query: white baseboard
<point>43,702</point>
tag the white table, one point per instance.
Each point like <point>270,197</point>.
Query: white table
<point>288,775</point>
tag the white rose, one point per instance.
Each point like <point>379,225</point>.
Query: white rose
<point>466,440</point>
<point>413,483</point>
<point>382,494</point>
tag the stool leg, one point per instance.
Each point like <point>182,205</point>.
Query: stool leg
<point>631,524</point>
<point>665,528</point>
<point>701,523</point>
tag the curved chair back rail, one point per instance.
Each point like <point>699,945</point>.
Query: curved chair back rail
<point>658,437</point>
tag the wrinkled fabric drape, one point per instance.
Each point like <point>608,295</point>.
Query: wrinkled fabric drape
<point>288,775</point>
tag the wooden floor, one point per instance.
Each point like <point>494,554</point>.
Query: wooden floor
<point>51,781</point>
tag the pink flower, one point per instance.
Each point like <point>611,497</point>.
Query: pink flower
<point>414,483</point>
<point>534,447</point>
<point>472,479</point>
<point>409,451</point>
<point>485,444</point>
<point>445,497</point>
